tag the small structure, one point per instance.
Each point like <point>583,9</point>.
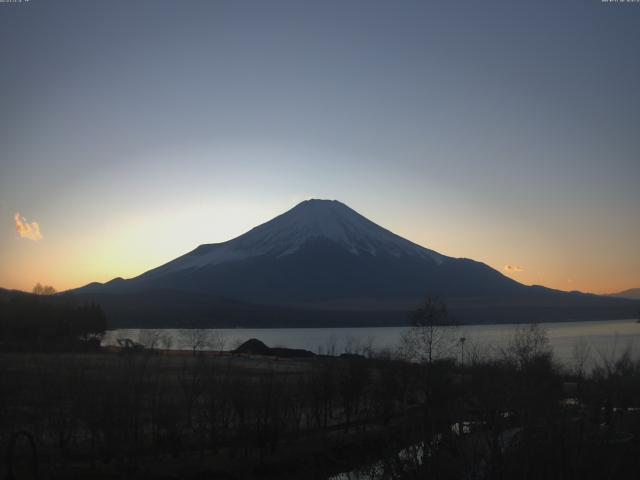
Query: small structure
<point>254,346</point>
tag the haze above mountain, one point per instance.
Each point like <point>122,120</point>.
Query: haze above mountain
<point>322,256</point>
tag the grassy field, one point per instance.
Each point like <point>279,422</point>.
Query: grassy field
<point>104,415</point>
<point>157,414</point>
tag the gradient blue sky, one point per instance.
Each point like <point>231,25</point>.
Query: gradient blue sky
<point>507,132</point>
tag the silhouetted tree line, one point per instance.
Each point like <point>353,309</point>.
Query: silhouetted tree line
<point>514,415</point>
<point>420,412</point>
<point>43,323</point>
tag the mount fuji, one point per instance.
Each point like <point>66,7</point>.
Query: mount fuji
<point>322,263</point>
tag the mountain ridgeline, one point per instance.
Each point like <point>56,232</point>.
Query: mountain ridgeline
<point>323,264</point>
<point>633,293</point>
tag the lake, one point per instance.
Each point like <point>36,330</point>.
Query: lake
<point>601,339</point>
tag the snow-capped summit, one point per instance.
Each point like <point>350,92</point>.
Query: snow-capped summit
<point>331,220</point>
<point>317,252</point>
<point>319,264</point>
<point>310,221</point>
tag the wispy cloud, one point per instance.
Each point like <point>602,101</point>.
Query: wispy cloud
<point>26,229</point>
<point>513,268</point>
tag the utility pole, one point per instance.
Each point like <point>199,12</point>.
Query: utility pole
<point>462,340</point>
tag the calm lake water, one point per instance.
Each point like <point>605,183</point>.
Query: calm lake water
<point>605,339</point>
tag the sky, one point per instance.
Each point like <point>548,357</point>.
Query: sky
<point>506,132</point>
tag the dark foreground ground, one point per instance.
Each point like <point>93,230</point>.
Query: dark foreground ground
<point>151,415</point>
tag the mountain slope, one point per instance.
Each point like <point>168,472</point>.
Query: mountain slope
<point>318,251</point>
<point>308,222</point>
<point>632,293</point>
<point>322,256</point>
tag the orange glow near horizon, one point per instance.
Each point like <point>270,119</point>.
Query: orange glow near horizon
<point>139,244</point>
<point>505,149</point>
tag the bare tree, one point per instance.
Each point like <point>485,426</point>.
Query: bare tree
<point>529,342</point>
<point>475,351</point>
<point>216,340</point>
<point>43,289</point>
<point>431,332</point>
<point>150,339</point>
<point>352,380</point>
<point>580,353</point>
<point>166,340</point>
<point>197,339</point>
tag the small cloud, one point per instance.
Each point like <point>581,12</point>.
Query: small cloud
<point>26,229</point>
<point>513,268</point>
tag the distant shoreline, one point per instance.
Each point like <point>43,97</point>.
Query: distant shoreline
<point>466,324</point>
